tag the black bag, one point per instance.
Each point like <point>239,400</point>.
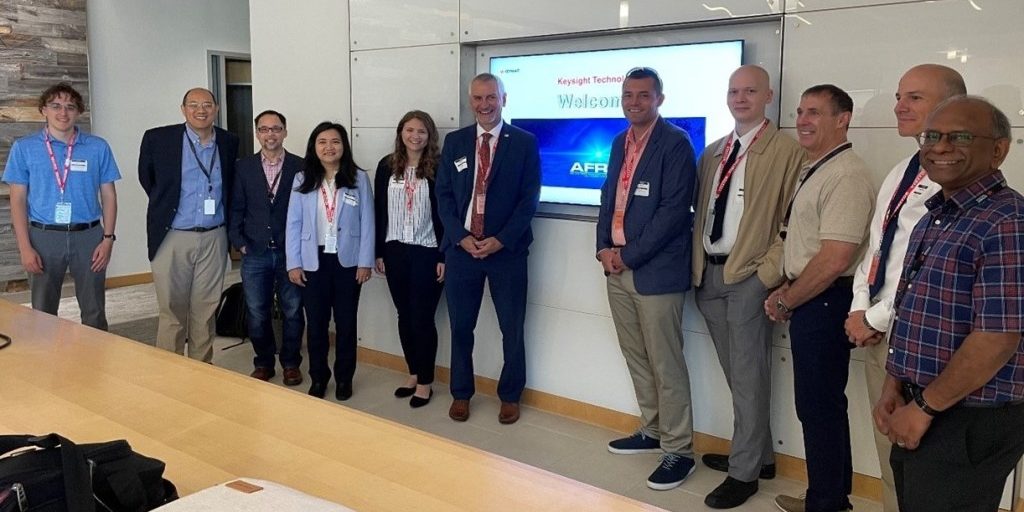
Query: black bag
<point>52,474</point>
<point>231,313</point>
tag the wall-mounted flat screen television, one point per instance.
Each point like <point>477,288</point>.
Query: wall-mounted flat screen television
<point>572,103</point>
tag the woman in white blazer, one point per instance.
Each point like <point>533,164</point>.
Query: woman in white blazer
<point>329,251</point>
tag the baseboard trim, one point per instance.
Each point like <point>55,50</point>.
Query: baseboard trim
<point>129,280</point>
<point>795,468</point>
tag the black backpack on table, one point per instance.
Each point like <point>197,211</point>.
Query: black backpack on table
<point>52,474</point>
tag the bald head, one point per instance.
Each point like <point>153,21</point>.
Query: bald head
<point>920,89</point>
<point>748,96</point>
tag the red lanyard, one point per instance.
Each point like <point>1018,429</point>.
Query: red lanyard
<point>633,151</point>
<point>62,181</point>
<point>330,207</point>
<point>727,173</point>
<point>410,189</point>
<point>893,213</point>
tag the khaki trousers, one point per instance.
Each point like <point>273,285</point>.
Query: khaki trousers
<point>188,274</point>
<point>650,331</point>
<point>874,373</point>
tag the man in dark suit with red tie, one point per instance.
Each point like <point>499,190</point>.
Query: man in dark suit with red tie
<point>488,186</point>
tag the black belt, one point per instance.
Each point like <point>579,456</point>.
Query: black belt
<point>717,259</point>
<point>909,389</point>
<point>81,226</point>
<point>840,282</point>
<point>200,229</point>
<point>843,281</point>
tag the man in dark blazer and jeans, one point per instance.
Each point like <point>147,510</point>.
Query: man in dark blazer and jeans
<point>488,186</point>
<point>259,209</point>
<point>187,170</point>
<point>643,243</point>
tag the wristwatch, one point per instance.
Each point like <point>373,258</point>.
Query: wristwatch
<point>781,307</point>
<point>112,237</point>
<point>868,324</point>
<point>918,396</point>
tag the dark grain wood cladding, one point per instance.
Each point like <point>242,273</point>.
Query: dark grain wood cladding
<point>41,42</point>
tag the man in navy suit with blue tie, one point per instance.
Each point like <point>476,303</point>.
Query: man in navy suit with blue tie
<point>643,243</point>
<point>488,186</point>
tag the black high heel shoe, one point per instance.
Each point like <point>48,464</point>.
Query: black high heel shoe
<point>416,402</point>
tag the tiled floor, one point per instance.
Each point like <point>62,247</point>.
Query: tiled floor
<point>560,445</point>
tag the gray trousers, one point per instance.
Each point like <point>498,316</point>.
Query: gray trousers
<point>742,336</point>
<point>69,250</point>
<point>650,331</point>
<point>188,274</point>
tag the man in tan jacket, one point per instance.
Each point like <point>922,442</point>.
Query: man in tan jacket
<point>746,180</point>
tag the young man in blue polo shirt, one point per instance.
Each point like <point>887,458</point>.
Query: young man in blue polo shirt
<point>62,182</point>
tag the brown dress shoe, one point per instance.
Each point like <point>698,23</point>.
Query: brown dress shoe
<point>262,373</point>
<point>292,376</point>
<point>459,411</point>
<point>509,413</point>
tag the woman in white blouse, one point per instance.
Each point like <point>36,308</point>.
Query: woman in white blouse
<point>408,232</point>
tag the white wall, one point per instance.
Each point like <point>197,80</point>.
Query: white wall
<point>300,64</point>
<point>143,56</point>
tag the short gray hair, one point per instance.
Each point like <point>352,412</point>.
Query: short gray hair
<point>1000,123</point>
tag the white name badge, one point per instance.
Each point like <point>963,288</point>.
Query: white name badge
<point>481,203</point>
<point>210,207</point>
<point>331,243</point>
<point>350,199</point>
<point>461,164</point>
<point>79,166</point>
<point>643,189</point>
<point>62,214</point>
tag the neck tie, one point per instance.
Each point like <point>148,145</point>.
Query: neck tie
<point>723,199</point>
<point>476,222</point>
<point>909,175</point>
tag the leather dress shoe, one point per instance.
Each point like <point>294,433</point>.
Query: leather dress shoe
<point>719,462</point>
<point>403,392</point>
<point>459,411</point>
<point>509,413</point>
<point>731,493</point>
<point>416,402</point>
<point>343,391</point>
<point>318,389</point>
<point>262,373</point>
<point>292,376</point>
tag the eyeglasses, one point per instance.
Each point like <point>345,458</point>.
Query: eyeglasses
<point>57,107</point>
<point>930,138</point>
<point>270,129</point>
<point>196,106</point>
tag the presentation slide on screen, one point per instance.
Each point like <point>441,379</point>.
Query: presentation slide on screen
<point>572,102</point>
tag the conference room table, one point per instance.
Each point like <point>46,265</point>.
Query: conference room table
<point>211,425</point>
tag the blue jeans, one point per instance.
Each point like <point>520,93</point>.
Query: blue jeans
<point>261,275</point>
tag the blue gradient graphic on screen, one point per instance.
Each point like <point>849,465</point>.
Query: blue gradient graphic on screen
<point>574,152</point>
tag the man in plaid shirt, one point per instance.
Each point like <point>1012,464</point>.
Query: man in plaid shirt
<point>953,403</point>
